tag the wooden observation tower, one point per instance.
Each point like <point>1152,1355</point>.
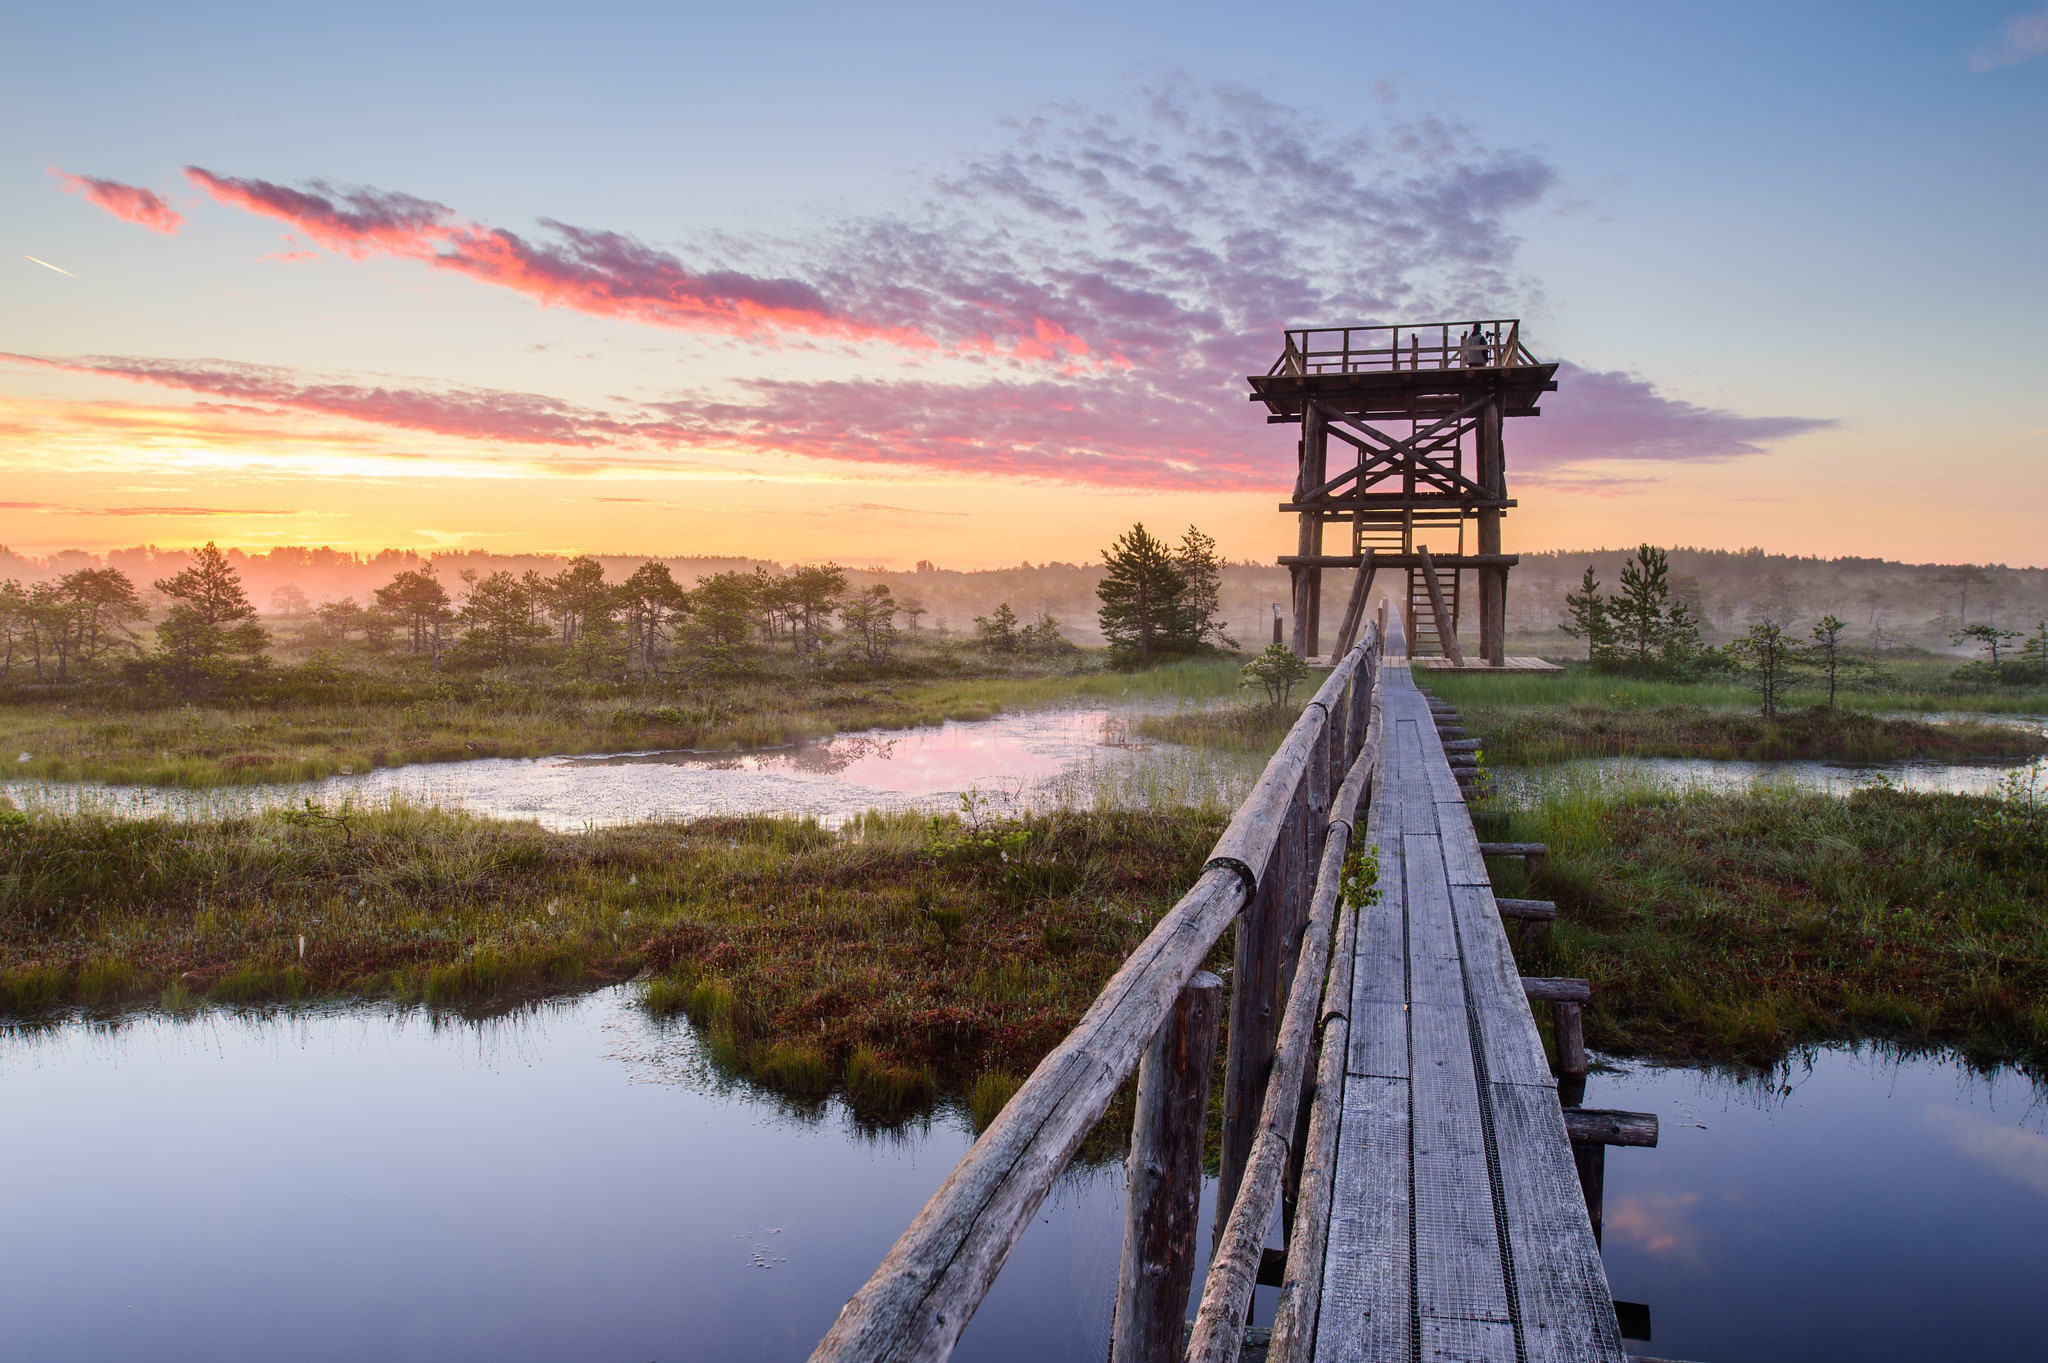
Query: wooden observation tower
<point>1421,407</point>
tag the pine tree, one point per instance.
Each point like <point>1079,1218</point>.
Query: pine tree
<point>497,618</point>
<point>1770,658</point>
<point>1640,612</point>
<point>1203,571</point>
<point>418,598</point>
<point>210,614</point>
<point>997,633</point>
<point>1826,650</point>
<point>1145,613</point>
<point>1586,618</point>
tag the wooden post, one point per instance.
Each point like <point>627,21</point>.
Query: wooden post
<point>1308,581</point>
<point>1255,995</point>
<point>1591,1158</point>
<point>1297,593</point>
<point>1493,581</point>
<point>1166,1178</point>
<point>1571,1039</point>
<point>1354,609</point>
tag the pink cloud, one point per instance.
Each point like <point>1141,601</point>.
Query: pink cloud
<point>1099,286</point>
<point>469,413</point>
<point>607,274</point>
<point>130,203</point>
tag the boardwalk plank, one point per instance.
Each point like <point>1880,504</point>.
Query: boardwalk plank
<point>1411,782</point>
<point>1463,865</point>
<point>1467,1341</point>
<point>1457,1243</point>
<point>1493,989</point>
<point>1443,786</point>
<point>1560,1283</point>
<point>1434,975</point>
<point>1415,1197</point>
<point>1379,1040</point>
<point>1365,1315</point>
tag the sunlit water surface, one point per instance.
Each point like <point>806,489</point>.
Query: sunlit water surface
<point>572,1182</point>
<point>1081,757</point>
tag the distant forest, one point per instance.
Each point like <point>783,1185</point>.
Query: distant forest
<point>1888,605</point>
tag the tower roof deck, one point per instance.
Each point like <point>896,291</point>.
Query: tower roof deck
<point>1404,370</point>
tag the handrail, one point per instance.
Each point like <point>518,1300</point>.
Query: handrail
<point>1392,348</point>
<point>1234,1270</point>
<point>928,1286</point>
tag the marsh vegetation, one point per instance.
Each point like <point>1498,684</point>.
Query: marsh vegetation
<point>1732,927</point>
<point>891,960</point>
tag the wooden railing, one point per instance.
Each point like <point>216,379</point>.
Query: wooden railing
<point>1274,873</point>
<point>1495,344</point>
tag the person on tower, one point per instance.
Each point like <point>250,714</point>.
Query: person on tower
<point>1473,347</point>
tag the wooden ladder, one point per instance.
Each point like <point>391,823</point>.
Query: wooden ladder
<point>1429,631</point>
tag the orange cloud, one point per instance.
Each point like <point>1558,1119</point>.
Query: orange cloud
<point>130,203</point>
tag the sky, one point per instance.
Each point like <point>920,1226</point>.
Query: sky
<point>982,284</point>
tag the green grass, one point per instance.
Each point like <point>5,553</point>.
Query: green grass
<point>1924,685</point>
<point>1255,727</point>
<point>1530,718</point>
<point>1731,927</point>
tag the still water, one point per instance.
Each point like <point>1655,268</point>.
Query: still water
<point>567,1184</point>
<point>572,1183</point>
<point>1852,1206</point>
<point>1072,757</point>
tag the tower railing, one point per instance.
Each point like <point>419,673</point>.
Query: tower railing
<point>1492,344</point>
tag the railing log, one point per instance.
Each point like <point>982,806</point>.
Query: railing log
<point>1233,1271</point>
<point>1256,989</point>
<point>1166,1178</point>
<point>928,1286</point>
<point>922,1295</point>
<point>1301,1287</point>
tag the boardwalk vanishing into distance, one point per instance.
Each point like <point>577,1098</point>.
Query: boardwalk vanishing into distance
<point>1457,1222</point>
<point>1389,1110</point>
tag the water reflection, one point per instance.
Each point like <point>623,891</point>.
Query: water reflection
<point>568,1182</point>
<point>574,1180</point>
<point>1853,1204</point>
<point>1041,759</point>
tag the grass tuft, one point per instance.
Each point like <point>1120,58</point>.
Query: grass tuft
<point>988,1094</point>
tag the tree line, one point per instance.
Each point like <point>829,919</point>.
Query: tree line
<point>1641,630</point>
<point>646,625</point>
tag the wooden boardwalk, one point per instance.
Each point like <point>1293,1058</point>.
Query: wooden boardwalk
<point>1457,1229</point>
<point>1387,1099</point>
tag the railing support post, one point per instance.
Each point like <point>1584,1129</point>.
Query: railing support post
<point>1256,990</point>
<point>1591,1159</point>
<point>1571,1039</point>
<point>1166,1178</point>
